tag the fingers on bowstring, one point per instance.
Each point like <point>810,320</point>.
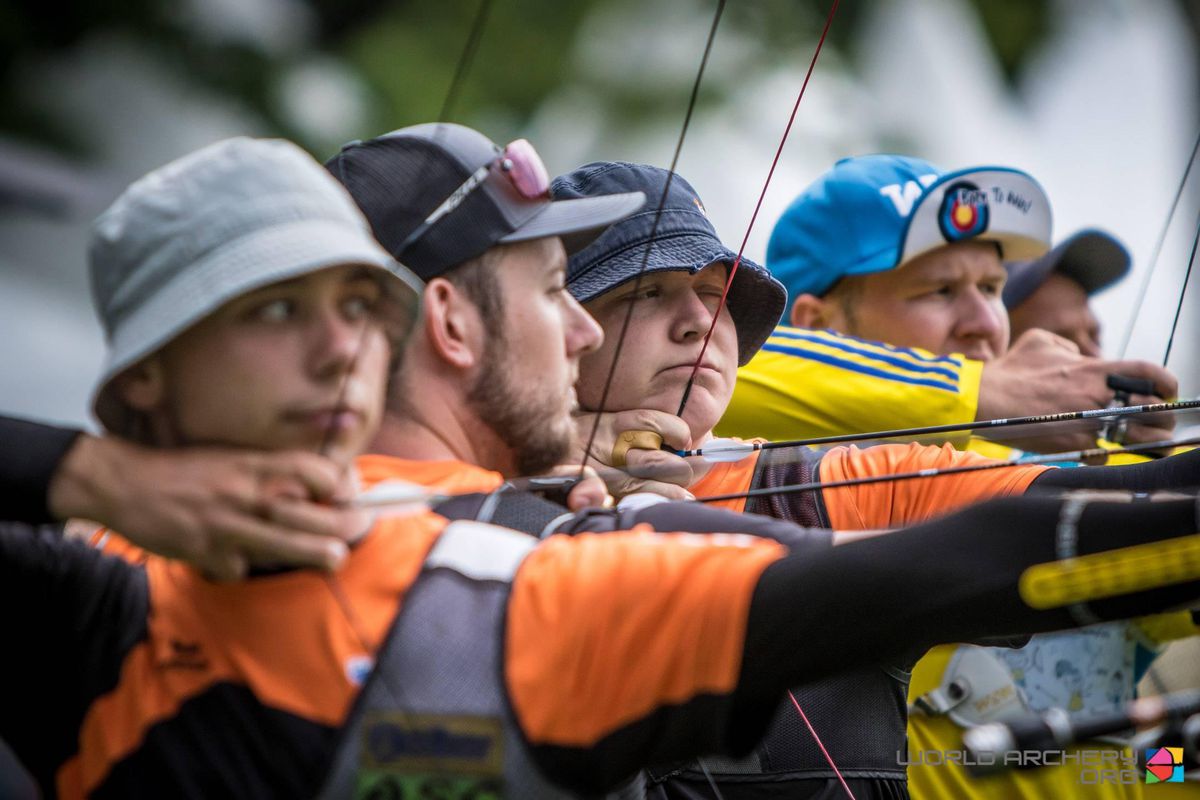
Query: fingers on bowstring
<point>674,431</point>
<point>225,565</point>
<point>588,493</point>
<point>671,491</point>
<point>346,524</point>
<point>266,543</point>
<point>316,475</point>
<point>660,466</point>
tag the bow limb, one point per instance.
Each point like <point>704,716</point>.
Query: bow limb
<point>1154,254</point>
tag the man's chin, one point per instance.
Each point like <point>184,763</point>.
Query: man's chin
<point>538,458</point>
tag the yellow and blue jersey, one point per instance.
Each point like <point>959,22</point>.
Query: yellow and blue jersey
<point>807,383</point>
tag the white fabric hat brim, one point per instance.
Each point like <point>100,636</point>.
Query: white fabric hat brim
<point>1018,215</point>
<point>258,259</point>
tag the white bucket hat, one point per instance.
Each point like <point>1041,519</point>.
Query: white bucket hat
<point>190,236</point>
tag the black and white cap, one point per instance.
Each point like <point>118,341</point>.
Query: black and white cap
<point>400,178</point>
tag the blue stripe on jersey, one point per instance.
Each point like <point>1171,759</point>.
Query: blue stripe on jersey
<point>854,366</point>
<point>875,355</point>
<point>872,346</point>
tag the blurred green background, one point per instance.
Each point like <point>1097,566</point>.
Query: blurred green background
<point>403,55</point>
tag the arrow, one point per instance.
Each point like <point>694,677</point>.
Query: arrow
<point>723,450</point>
<point>1025,461</point>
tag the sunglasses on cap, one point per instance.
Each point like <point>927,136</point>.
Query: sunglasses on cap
<point>518,162</point>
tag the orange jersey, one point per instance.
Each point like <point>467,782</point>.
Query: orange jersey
<point>730,477</point>
<point>452,477</point>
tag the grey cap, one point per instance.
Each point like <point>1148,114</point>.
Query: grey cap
<point>1092,258</point>
<point>398,178</point>
<point>190,236</point>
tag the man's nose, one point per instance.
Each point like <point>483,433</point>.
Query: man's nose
<point>334,341</point>
<point>584,334</point>
<point>692,316</point>
<point>978,315</point>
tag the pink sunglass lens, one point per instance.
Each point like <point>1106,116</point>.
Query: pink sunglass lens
<point>528,173</point>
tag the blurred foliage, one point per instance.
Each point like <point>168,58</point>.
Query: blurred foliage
<point>409,53</point>
<point>406,52</point>
<point>1015,27</point>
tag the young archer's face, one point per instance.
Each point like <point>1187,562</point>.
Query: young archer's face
<point>301,364</point>
<point>671,313</point>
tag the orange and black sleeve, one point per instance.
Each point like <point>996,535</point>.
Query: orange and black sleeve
<point>624,649</point>
<point>621,655</point>
<point>71,616</point>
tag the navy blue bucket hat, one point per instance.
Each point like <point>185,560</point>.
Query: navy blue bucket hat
<point>684,240</point>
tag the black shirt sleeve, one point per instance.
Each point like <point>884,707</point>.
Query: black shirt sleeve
<point>70,616</point>
<point>1173,472</point>
<point>685,515</point>
<point>29,456</point>
<point>949,580</point>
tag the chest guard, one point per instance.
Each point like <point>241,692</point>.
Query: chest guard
<point>433,719</point>
<point>786,467</point>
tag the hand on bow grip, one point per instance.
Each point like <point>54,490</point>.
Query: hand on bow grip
<point>630,445</point>
<point>1046,374</point>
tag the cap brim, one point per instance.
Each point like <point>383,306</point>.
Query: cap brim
<point>1014,212</point>
<point>756,300</point>
<point>578,217</point>
<point>1092,258</point>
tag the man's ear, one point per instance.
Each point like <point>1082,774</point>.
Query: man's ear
<point>810,311</point>
<point>143,386</point>
<point>453,325</point>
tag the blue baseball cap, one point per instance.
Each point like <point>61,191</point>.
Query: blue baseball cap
<point>874,213</point>
<point>683,240</point>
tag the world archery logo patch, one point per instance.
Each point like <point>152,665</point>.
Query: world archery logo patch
<point>964,212</point>
<point>1164,765</point>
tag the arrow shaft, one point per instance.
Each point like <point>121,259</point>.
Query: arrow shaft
<point>1050,458</point>
<point>958,427</point>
